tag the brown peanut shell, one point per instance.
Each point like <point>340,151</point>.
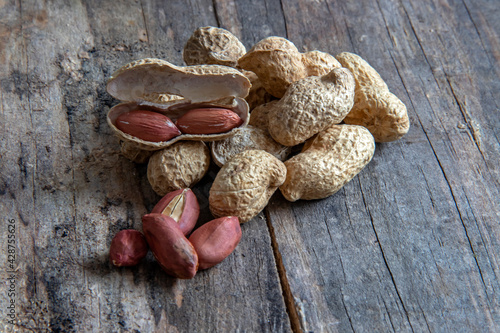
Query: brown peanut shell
<point>245,183</point>
<point>247,138</point>
<point>212,45</point>
<point>328,161</point>
<point>178,166</point>
<point>278,63</point>
<point>132,151</point>
<point>310,106</point>
<point>375,107</point>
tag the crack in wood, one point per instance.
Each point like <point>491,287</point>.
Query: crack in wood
<point>289,299</point>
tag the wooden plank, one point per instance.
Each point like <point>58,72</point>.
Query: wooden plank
<point>410,244</point>
<point>70,191</point>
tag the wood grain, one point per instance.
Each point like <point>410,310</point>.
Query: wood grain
<point>410,244</point>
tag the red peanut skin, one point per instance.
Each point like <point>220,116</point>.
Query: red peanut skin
<point>147,125</point>
<point>208,121</point>
<point>170,247</point>
<point>191,211</point>
<point>215,240</point>
<point>128,247</point>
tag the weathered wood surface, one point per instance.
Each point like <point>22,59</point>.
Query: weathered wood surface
<point>411,244</point>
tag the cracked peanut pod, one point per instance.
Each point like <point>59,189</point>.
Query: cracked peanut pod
<point>310,106</point>
<point>278,63</point>
<point>178,166</point>
<point>375,107</point>
<point>157,86</point>
<point>327,162</point>
<point>247,138</point>
<point>213,46</point>
<point>244,185</point>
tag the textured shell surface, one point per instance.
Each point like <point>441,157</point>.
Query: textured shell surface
<point>247,138</point>
<point>147,79</point>
<point>319,63</point>
<point>375,107</point>
<point>311,105</point>
<point>274,43</point>
<point>328,162</point>
<point>277,63</point>
<point>157,85</point>
<point>258,117</point>
<point>180,165</point>
<point>364,74</point>
<point>212,45</point>
<point>381,112</point>
<point>245,183</point>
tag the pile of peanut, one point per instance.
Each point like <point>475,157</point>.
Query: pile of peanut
<point>253,108</point>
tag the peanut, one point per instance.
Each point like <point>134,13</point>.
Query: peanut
<point>311,105</point>
<point>327,162</point>
<point>158,86</point>
<point>278,63</point>
<point>375,107</point>
<point>147,125</point>
<point>208,121</point>
<point>244,184</point>
<point>211,45</point>
<point>178,166</point>
<point>170,247</point>
<point>133,152</point>
<point>182,206</point>
<point>246,138</point>
<point>216,240</point>
<point>128,247</point>
<point>257,95</point>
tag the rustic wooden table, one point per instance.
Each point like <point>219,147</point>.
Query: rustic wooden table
<point>410,244</point>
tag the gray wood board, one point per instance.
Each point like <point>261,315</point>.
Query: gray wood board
<point>410,244</point>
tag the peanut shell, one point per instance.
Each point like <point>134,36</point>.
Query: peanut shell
<point>257,95</point>
<point>375,107</point>
<point>245,183</point>
<point>311,105</point>
<point>278,63</point>
<point>211,45</point>
<point>178,166</point>
<point>319,63</point>
<point>258,117</point>
<point>247,138</point>
<point>328,161</point>
<point>131,151</point>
